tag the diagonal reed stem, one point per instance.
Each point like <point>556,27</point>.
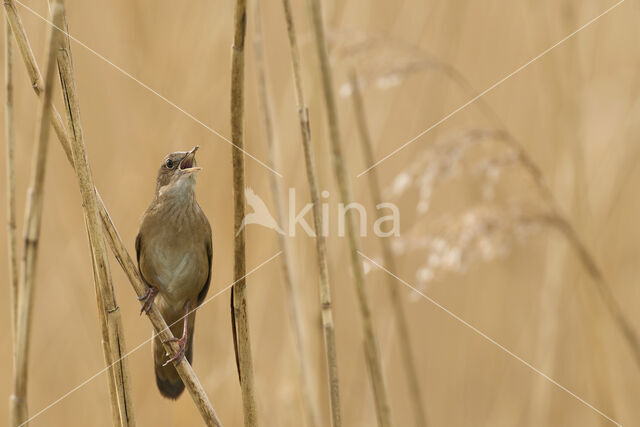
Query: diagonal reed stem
<point>119,249</point>
<point>240,315</point>
<point>415,394</point>
<point>290,288</point>
<point>328,327</point>
<point>32,223</point>
<point>340,172</point>
<point>20,36</point>
<point>108,311</point>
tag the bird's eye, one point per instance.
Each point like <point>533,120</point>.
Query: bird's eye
<point>169,164</point>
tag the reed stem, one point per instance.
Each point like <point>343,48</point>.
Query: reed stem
<point>11,181</point>
<point>240,315</point>
<point>12,251</point>
<point>415,394</point>
<point>32,223</point>
<point>22,42</point>
<point>328,327</point>
<point>287,270</point>
<point>108,311</point>
<point>340,171</point>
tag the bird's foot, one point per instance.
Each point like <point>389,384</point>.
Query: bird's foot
<point>182,343</point>
<point>147,299</point>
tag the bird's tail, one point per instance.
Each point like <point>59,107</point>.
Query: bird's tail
<point>167,378</point>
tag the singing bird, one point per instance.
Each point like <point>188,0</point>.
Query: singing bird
<point>174,253</point>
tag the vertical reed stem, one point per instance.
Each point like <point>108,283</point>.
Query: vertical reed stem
<point>108,311</point>
<point>240,318</point>
<point>340,172</point>
<point>11,183</point>
<point>290,288</point>
<point>33,220</point>
<point>11,191</point>
<point>415,394</point>
<point>321,246</point>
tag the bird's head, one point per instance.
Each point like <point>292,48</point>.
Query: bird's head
<point>178,172</point>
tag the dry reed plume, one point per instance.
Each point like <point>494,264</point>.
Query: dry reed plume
<point>499,152</point>
<point>387,63</point>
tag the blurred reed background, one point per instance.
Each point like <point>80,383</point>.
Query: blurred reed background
<point>463,238</point>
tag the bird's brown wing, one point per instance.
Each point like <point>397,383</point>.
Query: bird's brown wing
<point>138,253</point>
<point>234,333</point>
<point>138,247</point>
<point>205,288</point>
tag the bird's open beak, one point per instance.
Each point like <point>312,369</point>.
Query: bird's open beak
<point>188,162</point>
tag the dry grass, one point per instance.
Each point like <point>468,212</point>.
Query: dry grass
<point>574,111</point>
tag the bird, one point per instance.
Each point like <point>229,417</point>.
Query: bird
<point>174,252</point>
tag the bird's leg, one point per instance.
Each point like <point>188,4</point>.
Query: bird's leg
<point>147,299</point>
<point>182,341</point>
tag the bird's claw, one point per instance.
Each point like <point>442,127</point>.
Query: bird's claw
<point>182,343</point>
<point>147,299</point>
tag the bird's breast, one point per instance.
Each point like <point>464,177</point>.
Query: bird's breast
<point>179,270</point>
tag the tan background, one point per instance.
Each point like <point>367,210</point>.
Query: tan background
<point>575,111</point>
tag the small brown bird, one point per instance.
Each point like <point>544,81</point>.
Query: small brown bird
<point>174,257</point>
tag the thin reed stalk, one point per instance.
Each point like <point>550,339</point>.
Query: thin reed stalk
<point>119,249</point>
<point>328,327</point>
<point>240,315</point>
<point>287,270</point>
<point>415,394</point>
<point>340,172</point>
<point>12,251</point>
<point>108,311</point>
<point>32,223</point>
